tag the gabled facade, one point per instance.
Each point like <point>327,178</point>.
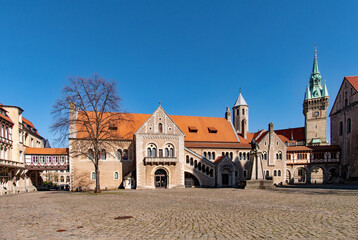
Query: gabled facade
<point>344,126</point>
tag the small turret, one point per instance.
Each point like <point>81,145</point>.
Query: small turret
<point>228,114</point>
<point>241,116</point>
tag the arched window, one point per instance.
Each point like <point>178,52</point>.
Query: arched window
<point>160,127</point>
<point>267,174</point>
<point>125,154</point>
<point>187,159</point>
<point>213,155</point>
<point>149,152</point>
<point>275,173</point>
<point>244,156</point>
<point>103,154</point>
<point>349,125</point>
<point>231,155</point>
<point>195,164</point>
<point>205,155</point>
<point>279,173</point>
<point>243,111</point>
<point>116,175</point>
<point>62,179</point>
<point>222,154</point>
<point>240,156</point>
<point>209,155</point>
<point>191,162</point>
<point>169,150</point>
<point>90,154</point>
<point>203,168</point>
<point>340,128</point>
<point>265,156</point>
<point>119,154</point>
<point>199,166</point>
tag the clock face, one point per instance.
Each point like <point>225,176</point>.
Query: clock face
<point>316,114</point>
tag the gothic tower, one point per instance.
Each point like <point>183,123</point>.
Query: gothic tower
<point>241,116</point>
<point>315,108</point>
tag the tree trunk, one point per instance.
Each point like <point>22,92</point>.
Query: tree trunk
<point>98,187</point>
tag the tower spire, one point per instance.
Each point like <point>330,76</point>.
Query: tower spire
<point>315,69</point>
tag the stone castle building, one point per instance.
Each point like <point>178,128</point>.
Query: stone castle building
<point>162,150</point>
<point>344,125</point>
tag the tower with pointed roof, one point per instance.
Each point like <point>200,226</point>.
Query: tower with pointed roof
<point>315,107</point>
<point>241,116</point>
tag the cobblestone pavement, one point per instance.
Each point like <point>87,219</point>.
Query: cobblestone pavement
<point>182,214</point>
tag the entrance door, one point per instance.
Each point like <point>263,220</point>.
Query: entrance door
<point>225,178</point>
<point>160,178</point>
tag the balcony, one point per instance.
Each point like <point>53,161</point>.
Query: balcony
<point>160,160</point>
<point>11,164</point>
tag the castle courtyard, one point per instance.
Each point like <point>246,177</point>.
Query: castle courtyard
<point>196,213</point>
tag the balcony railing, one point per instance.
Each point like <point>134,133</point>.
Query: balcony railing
<point>163,160</point>
<point>10,163</point>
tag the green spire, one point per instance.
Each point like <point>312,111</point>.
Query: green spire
<point>315,80</point>
<point>308,93</point>
<point>325,90</point>
<point>315,69</point>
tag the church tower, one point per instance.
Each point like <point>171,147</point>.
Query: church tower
<point>315,107</point>
<point>241,116</point>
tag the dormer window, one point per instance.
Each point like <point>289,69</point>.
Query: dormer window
<point>212,130</point>
<point>112,126</point>
<point>193,129</point>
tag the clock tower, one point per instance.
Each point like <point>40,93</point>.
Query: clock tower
<point>315,108</point>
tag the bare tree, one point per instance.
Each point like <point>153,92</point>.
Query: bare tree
<point>85,113</point>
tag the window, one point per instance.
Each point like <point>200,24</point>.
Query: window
<point>231,155</point>
<point>205,155</point>
<point>275,173</point>
<point>212,130</point>
<point>68,179</point>
<point>116,175</point>
<point>192,129</point>
<point>160,127</point>
<point>152,150</point>
<point>349,125</point>
<point>340,128</point>
<point>93,176</point>
<point>166,152</point>
<point>62,179</point>
<point>103,154</point>
<point>169,150</point>
<point>213,155</point>
<point>55,160</point>
<point>187,159</point>
<point>240,156</point>
<point>279,173</point>
<point>149,152</point>
<point>209,155</point>
<point>245,174</point>
<point>191,161</point>
<point>125,154</point>
<point>119,154</point>
<point>35,159</point>
<point>244,156</point>
<point>243,111</point>
<point>267,174</point>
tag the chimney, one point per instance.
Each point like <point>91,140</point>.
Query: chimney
<point>228,114</point>
<point>270,127</point>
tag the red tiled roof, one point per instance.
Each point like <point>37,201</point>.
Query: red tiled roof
<point>217,145</point>
<point>6,117</point>
<point>298,134</point>
<point>353,80</point>
<point>218,160</point>
<point>24,120</point>
<point>314,148</point>
<point>47,151</point>
<point>126,129</point>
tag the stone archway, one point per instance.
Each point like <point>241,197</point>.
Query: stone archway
<point>317,175</point>
<point>300,175</point>
<point>226,176</point>
<point>160,178</point>
<point>191,180</point>
<point>333,175</point>
<point>288,177</point>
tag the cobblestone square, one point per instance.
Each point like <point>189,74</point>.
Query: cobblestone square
<point>182,214</point>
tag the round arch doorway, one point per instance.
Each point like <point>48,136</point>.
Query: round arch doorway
<point>160,178</point>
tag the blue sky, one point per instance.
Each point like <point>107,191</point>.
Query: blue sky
<point>193,56</point>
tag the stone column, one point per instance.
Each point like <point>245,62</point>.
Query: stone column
<point>256,171</point>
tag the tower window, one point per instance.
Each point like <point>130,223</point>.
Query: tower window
<point>340,129</point>
<point>237,112</point>
<point>349,125</point>
<point>243,111</point>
